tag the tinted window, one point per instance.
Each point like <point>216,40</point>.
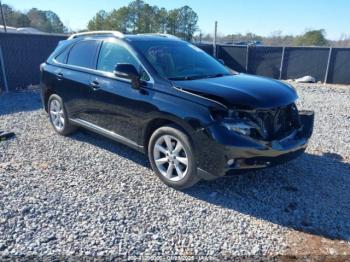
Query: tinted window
<point>82,54</point>
<point>112,54</point>
<point>180,60</point>
<point>62,58</point>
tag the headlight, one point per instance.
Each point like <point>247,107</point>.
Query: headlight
<point>239,127</point>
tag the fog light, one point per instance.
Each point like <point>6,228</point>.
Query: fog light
<point>230,162</point>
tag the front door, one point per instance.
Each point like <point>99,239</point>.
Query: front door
<point>114,105</point>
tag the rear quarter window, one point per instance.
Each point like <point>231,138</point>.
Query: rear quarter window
<point>62,57</point>
<point>83,53</point>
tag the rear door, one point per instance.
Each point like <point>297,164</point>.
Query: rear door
<point>75,76</point>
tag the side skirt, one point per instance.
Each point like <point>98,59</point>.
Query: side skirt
<point>106,133</point>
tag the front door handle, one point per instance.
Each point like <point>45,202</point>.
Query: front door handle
<point>95,85</point>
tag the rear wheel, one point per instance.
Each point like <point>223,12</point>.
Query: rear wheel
<point>171,156</point>
<point>58,116</point>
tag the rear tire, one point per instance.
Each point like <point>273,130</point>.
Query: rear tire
<point>59,117</point>
<point>171,156</point>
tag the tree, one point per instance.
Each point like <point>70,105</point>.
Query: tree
<point>55,23</point>
<point>161,20</point>
<point>39,20</point>
<point>135,15</point>
<point>188,23</point>
<point>140,17</point>
<point>46,21</point>
<point>312,38</point>
<point>98,22</point>
<point>118,20</point>
<point>15,18</point>
<point>173,21</point>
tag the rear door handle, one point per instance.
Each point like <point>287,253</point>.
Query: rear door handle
<point>95,85</point>
<point>59,76</point>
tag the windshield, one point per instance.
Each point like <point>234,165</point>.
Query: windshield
<point>177,60</point>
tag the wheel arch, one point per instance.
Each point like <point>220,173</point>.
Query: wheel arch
<point>160,121</point>
<point>46,95</point>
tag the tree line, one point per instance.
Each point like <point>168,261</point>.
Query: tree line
<point>140,17</point>
<point>308,38</point>
<point>45,21</point>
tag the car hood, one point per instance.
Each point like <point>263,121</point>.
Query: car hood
<point>241,90</point>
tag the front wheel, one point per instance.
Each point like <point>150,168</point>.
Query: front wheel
<point>171,156</point>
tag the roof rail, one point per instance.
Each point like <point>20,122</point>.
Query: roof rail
<point>162,35</point>
<point>91,33</point>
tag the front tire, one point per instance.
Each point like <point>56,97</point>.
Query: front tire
<point>172,159</point>
<point>59,117</point>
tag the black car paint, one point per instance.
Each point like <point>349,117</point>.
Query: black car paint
<point>115,106</point>
<point>242,90</point>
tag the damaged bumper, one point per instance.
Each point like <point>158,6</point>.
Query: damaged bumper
<point>230,151</point>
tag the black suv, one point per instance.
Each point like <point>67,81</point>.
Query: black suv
<point>195,118</point>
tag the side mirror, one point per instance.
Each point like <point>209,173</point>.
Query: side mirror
<point>128,71</point>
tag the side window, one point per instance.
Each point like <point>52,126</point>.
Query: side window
<point>62,57</point>
<point>82,54</point>
<point>112,54</point>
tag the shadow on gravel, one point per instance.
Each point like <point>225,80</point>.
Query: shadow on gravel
<point>310,194</point>
<point>21,101</point>
<point>111,146</point>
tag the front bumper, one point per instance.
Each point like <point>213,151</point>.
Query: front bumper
<point>220,150</point>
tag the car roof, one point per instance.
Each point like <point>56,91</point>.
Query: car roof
<point>152,37</point>
<point>128,37</point>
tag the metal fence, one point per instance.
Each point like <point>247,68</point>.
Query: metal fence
<point>22,54</point>
<point>326,64</point>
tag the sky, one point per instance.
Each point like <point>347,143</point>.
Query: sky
<point>261,17</point>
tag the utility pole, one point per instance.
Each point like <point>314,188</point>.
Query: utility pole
<point>3,17</point>
<point>214,38</point>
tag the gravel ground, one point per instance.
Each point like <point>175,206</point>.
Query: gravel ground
<point>86,195</point>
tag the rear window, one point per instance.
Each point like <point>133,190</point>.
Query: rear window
<point>82,54</point>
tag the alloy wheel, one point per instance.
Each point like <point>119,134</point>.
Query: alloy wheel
<point>57,114</point>
<point>170,157</point>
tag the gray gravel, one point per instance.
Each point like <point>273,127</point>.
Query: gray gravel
<point>86,195</point>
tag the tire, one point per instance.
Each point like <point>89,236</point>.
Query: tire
<point>170,164</point>
<point>59,117</point>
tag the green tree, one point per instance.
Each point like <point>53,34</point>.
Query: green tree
<point>39,20</point>
<point>173,21</point>
<point>140,17</point>
<point>55,23</point>
<point>118,20</point>
<point>187,23</point>
<point>22,20</point>
<point>99,21</point>
<point>15,18</point>
<point>312,38</point>
<point>135,15</point>
<point>46,21</point>
<point>161,20</point>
